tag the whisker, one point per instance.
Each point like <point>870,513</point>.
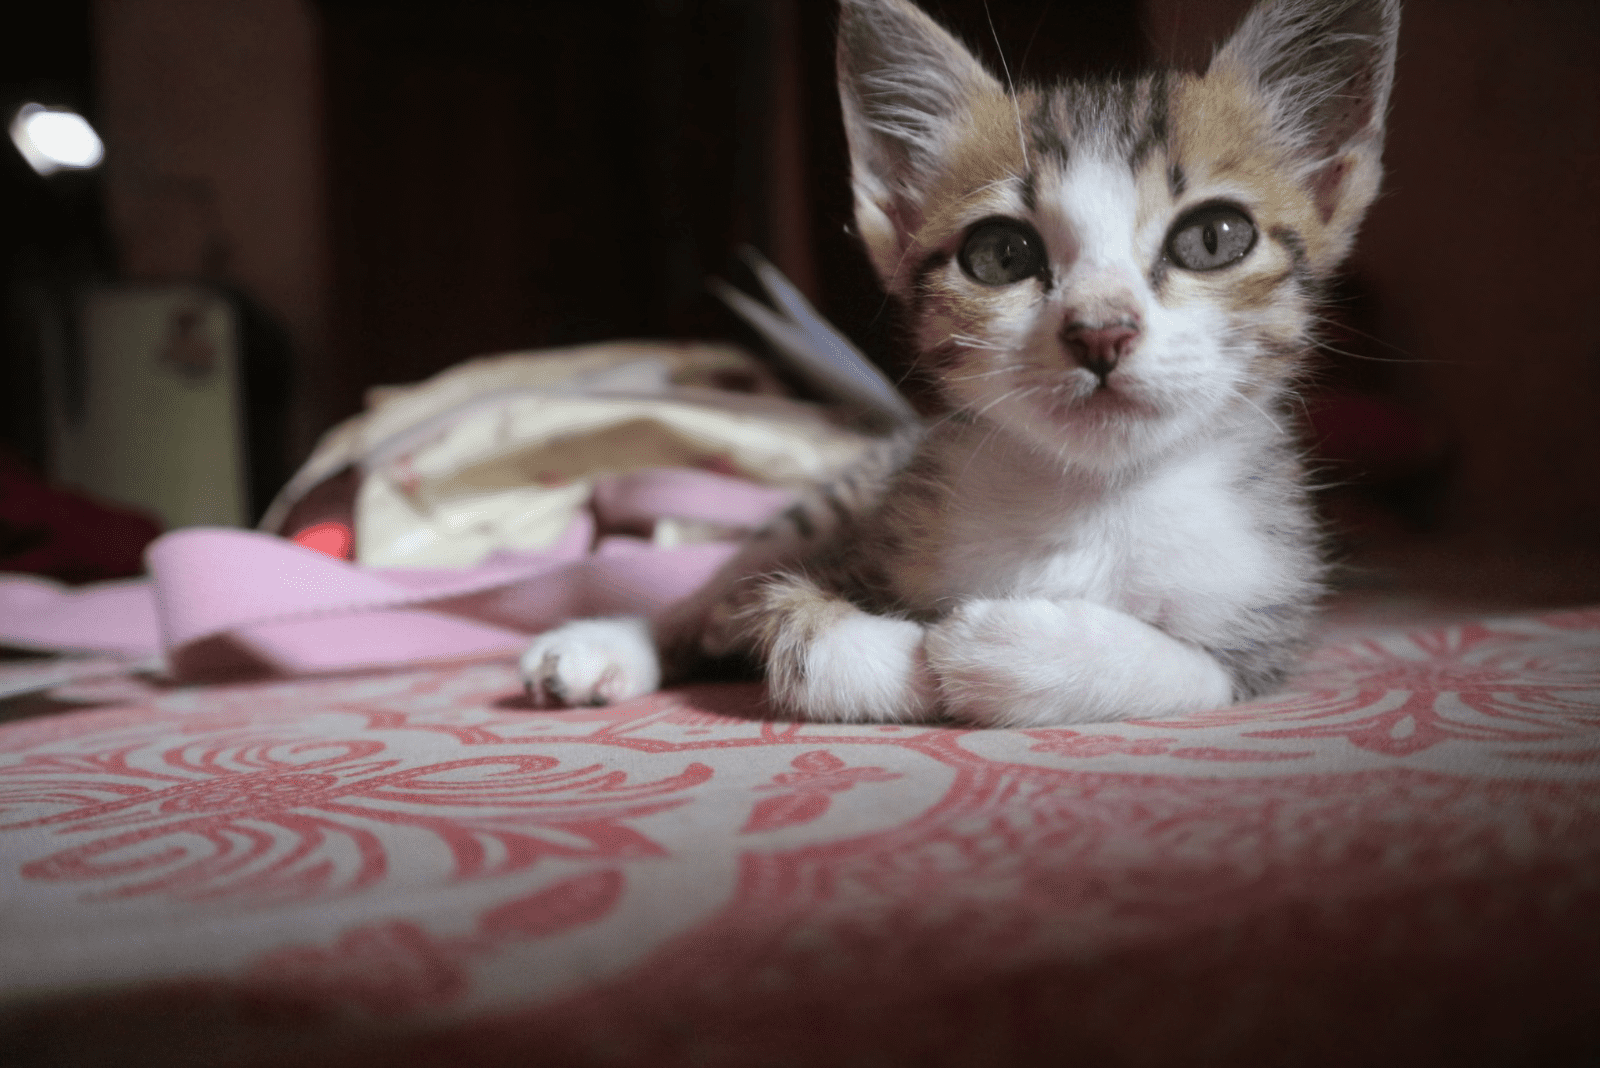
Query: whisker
<point>994,432</point>
<point>1016,105</point>
<point>1403,357</point>
<point>942,420</point>
<point>1237,392</point>
<point>1008,369</point>
<point>979,343</point>
<point>986,186</point>
<point>1007,395</point>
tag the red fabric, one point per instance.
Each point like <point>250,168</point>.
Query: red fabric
<point>52,531</point>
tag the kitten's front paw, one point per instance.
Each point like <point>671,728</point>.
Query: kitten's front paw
<point>1026,662</point>
<point>591,662</point>
<point>986,655</point>
<point>1034,663</point>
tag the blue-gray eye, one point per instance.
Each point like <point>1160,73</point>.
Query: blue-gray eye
<point>1002,251</point>
<point>1211,236</point>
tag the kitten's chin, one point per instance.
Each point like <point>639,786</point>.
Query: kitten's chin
<point>1107,429</point>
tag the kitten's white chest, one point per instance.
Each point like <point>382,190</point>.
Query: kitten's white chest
<point>1060,550</point>
<point>1166,547</point>
<point>1002,530</point>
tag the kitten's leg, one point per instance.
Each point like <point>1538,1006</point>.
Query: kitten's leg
<point>1031,662</point>
<point>602,661</point>
<point>591,662</point>
<point>828,660</point>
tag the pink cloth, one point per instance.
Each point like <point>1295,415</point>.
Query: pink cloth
<point>217,599</point>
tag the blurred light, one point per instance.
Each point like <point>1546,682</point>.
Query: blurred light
<point>55,139</point>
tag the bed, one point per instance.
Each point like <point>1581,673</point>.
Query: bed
<point>1394,860</point>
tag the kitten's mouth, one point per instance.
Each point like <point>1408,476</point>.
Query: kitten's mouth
<point>1106,400</point>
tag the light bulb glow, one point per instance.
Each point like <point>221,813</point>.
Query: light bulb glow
<point>55,139</point>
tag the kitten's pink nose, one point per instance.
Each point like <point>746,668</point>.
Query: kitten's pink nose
<point>1098,349</point>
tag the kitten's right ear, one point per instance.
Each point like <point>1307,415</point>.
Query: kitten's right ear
<point>1325,68</point>
<point>904,85</point>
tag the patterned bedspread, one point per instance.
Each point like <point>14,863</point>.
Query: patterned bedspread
<point>1397,860</point>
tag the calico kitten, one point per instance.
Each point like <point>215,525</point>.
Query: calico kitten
<point>1113,284</point>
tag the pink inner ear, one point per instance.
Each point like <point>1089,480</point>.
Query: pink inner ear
<point>1325,186</point>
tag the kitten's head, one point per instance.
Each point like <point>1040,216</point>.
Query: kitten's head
<point>1111,268</point>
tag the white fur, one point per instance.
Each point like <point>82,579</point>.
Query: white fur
<point>1028,663</point>
<point>591,662</point>
<point>864,668</point>
<point>1174,544</point>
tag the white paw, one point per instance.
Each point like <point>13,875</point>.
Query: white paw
<point>862,668</point>
<point>1034,663</point>
<point>591,662</point>
<point>998,661</point>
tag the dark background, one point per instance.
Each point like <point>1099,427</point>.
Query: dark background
<point>401,184</point>
<point>507,175</point>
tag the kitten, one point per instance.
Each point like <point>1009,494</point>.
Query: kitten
<point>1113,284</point>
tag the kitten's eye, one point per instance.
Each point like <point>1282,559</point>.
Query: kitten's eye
<point>1002,251</point>
<point>1210,237</point>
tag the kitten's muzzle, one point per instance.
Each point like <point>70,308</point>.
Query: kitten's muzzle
<point>1099,348</point>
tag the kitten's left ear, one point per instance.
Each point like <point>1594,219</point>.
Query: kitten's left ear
<point>1324,68</point>
<point>905,86</point>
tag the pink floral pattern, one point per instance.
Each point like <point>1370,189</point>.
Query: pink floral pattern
<point>394,967</point>
<point>1401,694</point>
<point>805,793</point>
<point>1418,814</point>
<point>262,816</point>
